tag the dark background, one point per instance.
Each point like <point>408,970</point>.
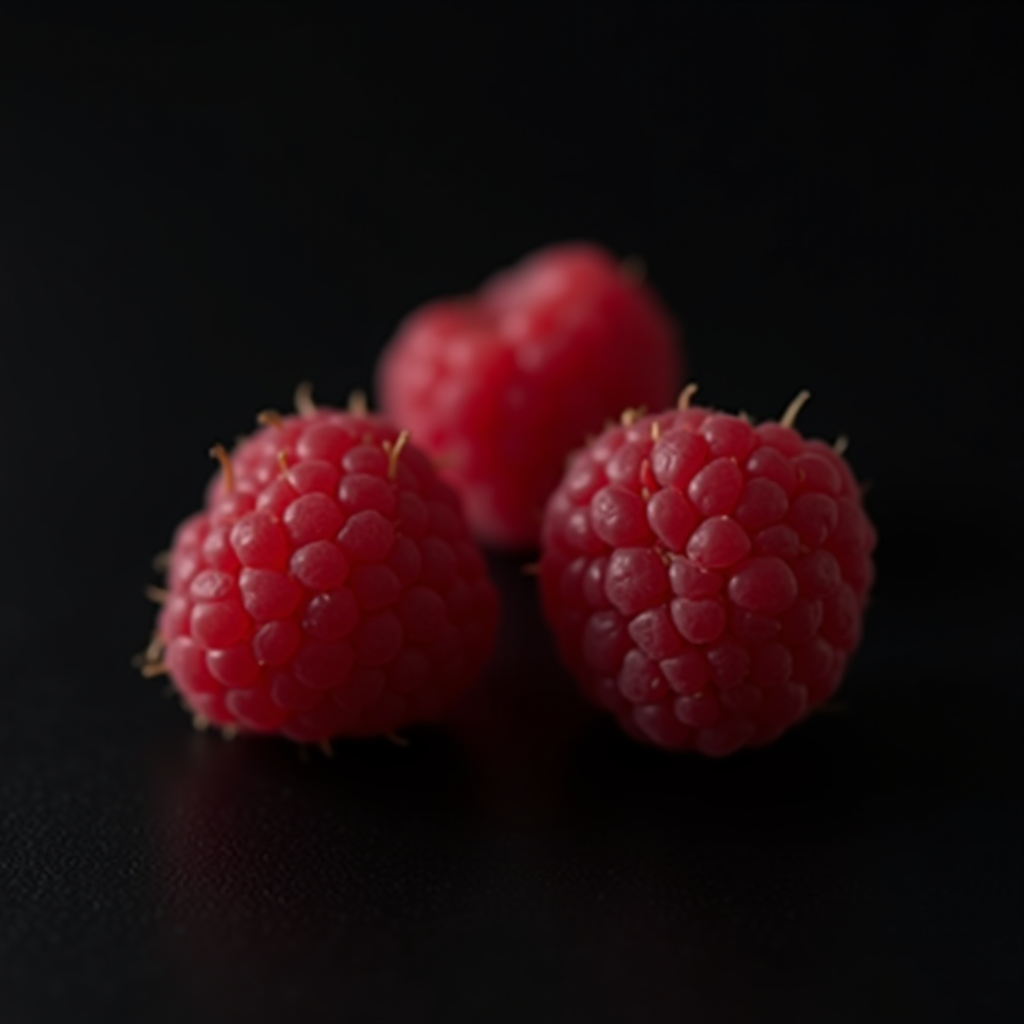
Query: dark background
<point>202,204</point>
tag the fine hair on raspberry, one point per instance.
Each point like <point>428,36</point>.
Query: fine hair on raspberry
<point>706,578</point>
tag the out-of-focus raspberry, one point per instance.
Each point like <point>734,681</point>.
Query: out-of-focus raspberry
<point>705,578</point>
<point>329,587</point>
<point>500,387</point>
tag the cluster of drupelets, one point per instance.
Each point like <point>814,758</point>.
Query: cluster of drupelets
<point>150,662</point>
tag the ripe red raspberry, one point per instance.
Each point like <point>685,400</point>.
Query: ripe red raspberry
<point>328,588</point>
<point>706,579</point>
<point>502,386</point>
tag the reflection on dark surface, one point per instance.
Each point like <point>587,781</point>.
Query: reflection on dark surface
<point>269,865</point>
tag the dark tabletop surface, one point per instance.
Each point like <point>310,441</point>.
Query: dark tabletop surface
<point>201,205</point>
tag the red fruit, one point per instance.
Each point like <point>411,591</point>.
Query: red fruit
<point>706,579</point>
<point>328,588</point>
<point>500,387</point>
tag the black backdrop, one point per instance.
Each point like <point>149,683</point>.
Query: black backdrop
<point>202,204</point>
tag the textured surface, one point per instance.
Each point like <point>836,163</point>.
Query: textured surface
<point>521,863</point>
<point>329,588</point>
<point>502,386</point>
<point>706,578</point>
<point>192,221</point>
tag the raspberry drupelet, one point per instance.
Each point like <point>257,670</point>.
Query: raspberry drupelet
<point>329,587</point>
<point>706,578</point>
<point>501,386</point>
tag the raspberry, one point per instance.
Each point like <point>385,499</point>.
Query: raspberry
<point>502,386</point>
<point>705,578</point>
<point>328,588</point>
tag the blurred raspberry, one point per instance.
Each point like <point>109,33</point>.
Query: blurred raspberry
<point>706,579</point>
<point>328,588</point>
<point>500,387</point>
